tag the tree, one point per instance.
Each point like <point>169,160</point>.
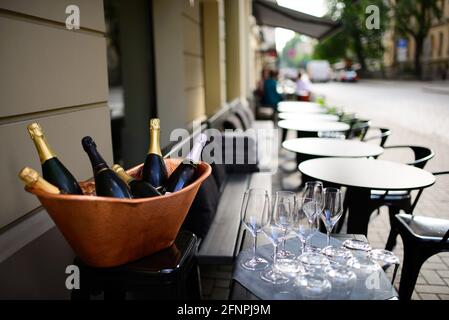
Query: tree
<point>292,56</point>
<point>333,48</point>
<point>355,39</point>
<point>414,18</point>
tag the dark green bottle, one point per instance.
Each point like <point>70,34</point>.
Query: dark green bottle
<point>185,173</point>
<point>139,188</point>
<point>107,183</point>
<point>154,171</point>
<point>52,169</point>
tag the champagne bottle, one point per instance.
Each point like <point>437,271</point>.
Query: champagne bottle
<point>107,183</point>
<point>185,173</point>
<point>33,180</point>
<point>52,169</point>
<point>154,170</point>
<point>139,188</point>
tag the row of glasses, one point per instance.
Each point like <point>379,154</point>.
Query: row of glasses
<point>288,214</point>
<point>314,272</point>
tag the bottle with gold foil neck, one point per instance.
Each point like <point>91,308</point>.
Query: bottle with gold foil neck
<point>32,179</point>
<point>52,169</point>
<point>139,188</point>
<point>154,170</point>
<point>107,183</point>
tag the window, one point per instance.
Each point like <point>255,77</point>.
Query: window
<point>440,45</point>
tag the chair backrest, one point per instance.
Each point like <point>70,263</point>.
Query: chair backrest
<point>358,129</point>
<point>383,136</point>
<point>422,154</point>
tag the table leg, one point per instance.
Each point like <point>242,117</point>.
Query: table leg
<point>359,210</point>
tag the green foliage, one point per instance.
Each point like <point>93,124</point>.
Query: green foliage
<point>414,17</point>
<point>355,40</point>
<point>333,48</point>
<point>290,57</point>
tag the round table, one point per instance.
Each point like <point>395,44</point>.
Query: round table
<point>307,116</point>
<point>320,147</point>
<point>299,104</point>
<point>313,125</point>
<point>307,108</point>
<point>361,176</point>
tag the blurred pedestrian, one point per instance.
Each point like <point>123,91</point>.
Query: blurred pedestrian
<point>270,96</point>
<point>303,87</point>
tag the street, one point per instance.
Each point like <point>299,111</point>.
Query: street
<point>421,106</point>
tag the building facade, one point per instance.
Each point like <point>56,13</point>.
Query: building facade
<point>399,54</point>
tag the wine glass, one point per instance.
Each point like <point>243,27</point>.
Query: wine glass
<point>356,244</point>
<point>283,211</point>
<point>309,207</point>
<point>343,281</point>
<point>314,190</point>
<point>301,225</point>
<point>332,211</point>
<point>313,286</point>
<point>255,214</point>
<point>275,230</point>
<point>385,259</point>
<point>284,204</point>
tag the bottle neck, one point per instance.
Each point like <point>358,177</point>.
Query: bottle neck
<point>43,149</point>
<point>155,146</point>
<point>33,180</point>
<point>194,155</point>
<point>97,161</point>
<point>124,176</point>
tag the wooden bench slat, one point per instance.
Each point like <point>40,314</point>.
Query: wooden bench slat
<point>219,245</point>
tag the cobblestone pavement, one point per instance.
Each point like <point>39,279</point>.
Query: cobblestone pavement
<point>416,117</point>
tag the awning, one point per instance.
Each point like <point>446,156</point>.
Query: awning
<point>268,13</point>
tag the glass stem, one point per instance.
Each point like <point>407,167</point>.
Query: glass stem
<point>328,237</point>
<point>255,245</point>
<point>275,257</point>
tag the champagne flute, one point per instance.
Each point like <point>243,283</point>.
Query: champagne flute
<point>332,210</point>
<point>255,214</point>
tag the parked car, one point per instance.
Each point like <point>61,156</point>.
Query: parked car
<point>345,72</point>
<point>319,70</point>
<point>347,75</point>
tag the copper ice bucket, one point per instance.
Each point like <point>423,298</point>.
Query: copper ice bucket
<point>107,232</point>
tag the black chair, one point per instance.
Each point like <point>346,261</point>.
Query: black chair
<point>401,200</point>
<point>358,129</point>
<point>382,136</point>
<point>423,237</point>
<point>395,200</point>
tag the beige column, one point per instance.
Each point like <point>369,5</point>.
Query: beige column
<point>237,47</point>
<point>214,55</point>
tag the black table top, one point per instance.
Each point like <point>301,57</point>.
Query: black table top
<point>321,147</point>
<point>367,173</point>
<point>313,125</point>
